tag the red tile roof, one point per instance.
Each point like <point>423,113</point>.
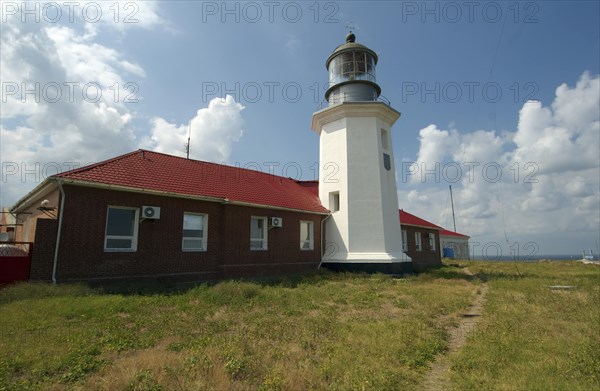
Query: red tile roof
<point>446,232</point>
<point>153,171</point>
<point>146,170</point>
<point>312,186</point>
<point>410,219</point>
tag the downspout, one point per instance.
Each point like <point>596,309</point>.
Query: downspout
<point>322,237</point>
<point>60,219</point>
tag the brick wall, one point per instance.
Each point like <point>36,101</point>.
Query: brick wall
<point>42,259</point>
<point>159,253</point>
<point>426,257</point>
<point>283,255</point>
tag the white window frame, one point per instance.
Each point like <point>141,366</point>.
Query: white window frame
<point>133,238</point>
<point>311,236</point>
<point>418,243</point>
<point>404,241</point>
<point>432,241</point>
<point>204,233</point>
<point>265,240</point>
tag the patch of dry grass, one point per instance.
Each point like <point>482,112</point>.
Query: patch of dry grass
<point>532,337</point>
<point>326,331</point>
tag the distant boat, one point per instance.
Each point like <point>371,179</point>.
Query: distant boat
<point>589,258</point>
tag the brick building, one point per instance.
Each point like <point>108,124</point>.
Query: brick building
<point>147,214</point>
<point>420,240</point>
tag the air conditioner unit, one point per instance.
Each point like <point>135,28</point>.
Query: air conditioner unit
<point>276,222</point>
<point>151,212</point>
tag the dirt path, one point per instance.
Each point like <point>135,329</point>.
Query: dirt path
<point>437,379</point>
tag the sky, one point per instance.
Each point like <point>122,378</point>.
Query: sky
<point>499,99</point>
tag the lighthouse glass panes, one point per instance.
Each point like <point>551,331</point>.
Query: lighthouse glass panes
<point>355,65</point>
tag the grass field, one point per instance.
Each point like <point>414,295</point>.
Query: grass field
<point>322,331</point>
<point>532,337</point>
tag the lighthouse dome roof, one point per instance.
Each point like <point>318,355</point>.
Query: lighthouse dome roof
<point>350,46</point>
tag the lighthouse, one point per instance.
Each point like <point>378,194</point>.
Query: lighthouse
<point>357,176</point>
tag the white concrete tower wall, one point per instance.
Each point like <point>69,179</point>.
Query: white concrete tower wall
<point>333,176</point>
<point>354,137</point>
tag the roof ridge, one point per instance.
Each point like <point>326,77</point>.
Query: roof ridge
<point>420,218</point>
<point>453,233</point>
<point>95,165</point>
<point>143,169</point>
<point>223,165</point>
<point>141,150</point>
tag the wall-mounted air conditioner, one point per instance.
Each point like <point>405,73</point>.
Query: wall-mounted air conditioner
<point>276,222</point>
<point>151,212</point>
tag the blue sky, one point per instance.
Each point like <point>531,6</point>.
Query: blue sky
<point>484,60</point>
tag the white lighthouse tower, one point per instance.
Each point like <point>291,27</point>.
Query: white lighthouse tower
<point>357,178</point>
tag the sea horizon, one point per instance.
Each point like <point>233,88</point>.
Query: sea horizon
<point>533,258</point>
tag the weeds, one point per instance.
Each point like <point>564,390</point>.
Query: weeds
<point>322,331</point>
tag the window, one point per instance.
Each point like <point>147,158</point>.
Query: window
<point>194,232</point>
<point>258,233</point>
<point>418,241</point>
<point>306,235</point>
<point>121,229</point>
<point>385,146</point>
<point>351,66</point>
<point>334,201</point>
<point>432,242</point>
<point>387,161</point>
<point>404,241</point>
<point>385,141</point>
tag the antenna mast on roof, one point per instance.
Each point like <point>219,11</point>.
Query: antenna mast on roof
<point>452,202</point>
<point>187,146</point>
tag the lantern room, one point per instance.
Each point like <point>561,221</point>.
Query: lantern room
<point>351,69</point>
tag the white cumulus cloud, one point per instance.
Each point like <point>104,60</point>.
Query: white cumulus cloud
<point>213,131</point>
<point>65,91</point>
<point>542,179</point>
